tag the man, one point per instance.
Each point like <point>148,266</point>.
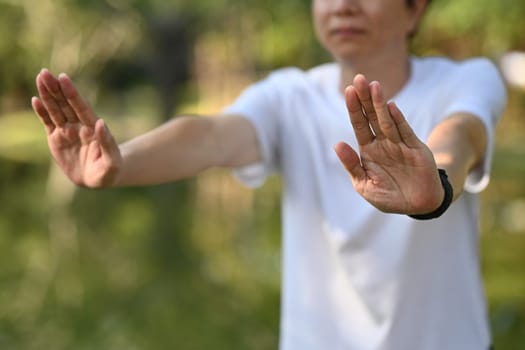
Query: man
<point>356,275</point>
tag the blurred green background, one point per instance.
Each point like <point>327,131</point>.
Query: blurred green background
<point>194,265</point>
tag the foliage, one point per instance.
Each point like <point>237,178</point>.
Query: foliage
<point>193,265</point>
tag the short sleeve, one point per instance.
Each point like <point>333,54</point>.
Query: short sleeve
<point>479,90</point>
<point>262,105</point>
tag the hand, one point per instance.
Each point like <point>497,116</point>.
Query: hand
<point>394,170</point>
<point>78,140</point>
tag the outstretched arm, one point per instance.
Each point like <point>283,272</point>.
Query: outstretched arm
<point>84,148</point>
<point>394,170</point>
<point>458,144</point>
<point>186,146</point>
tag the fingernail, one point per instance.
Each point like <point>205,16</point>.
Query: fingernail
<point>62,75</point>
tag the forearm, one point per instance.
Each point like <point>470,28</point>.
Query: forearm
<point>173,151</point>
<point>458,145</point>
<point>184,147</point>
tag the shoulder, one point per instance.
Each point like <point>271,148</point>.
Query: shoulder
<point>285,73</point>
<point>444,79</point>
<point>449,86</point>
<point>446,68</point>
<point>445,62</point>
<point>474,86</point>
<point>321,76</point>
<point>324,73</point>
<point>284,77</point>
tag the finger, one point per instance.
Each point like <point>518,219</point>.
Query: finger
<point>42,114</point>
<point>350,160</point>
<point>405,131</point>
<point>387,125</point>
<point>81,108</point>
<point>359,121</point>
<point>53,110</point>
<point>363,92</point>
<point>53,86</point>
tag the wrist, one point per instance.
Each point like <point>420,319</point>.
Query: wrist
<point>445,203</point>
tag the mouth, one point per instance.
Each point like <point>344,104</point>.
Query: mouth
<point>347,32</point>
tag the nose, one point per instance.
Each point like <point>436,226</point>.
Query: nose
<point>345,7</point>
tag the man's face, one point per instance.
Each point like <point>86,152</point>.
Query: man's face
<point>362,28</point>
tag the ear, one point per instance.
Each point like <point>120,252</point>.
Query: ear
<point>416,12</point>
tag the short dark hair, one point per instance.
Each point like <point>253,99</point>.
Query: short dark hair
<point>410,3</point>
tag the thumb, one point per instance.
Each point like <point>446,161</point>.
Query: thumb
<point>350,159</point>
<point>104,137</point>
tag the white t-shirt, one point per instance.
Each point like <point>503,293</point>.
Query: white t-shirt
<point>356,278</point>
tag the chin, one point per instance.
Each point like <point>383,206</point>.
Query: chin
<point>348,52</point>
<point>348,56</point>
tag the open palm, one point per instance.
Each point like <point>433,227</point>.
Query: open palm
<point>79,141</point>
<point>394,170</point>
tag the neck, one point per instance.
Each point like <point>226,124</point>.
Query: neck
<point>392,71</point>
